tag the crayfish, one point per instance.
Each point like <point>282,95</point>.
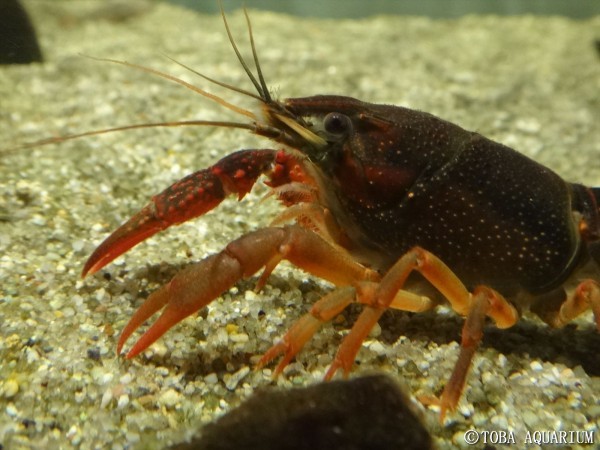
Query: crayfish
<point>395,207</point>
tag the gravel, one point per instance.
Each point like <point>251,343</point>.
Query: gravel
<point>529,82</point>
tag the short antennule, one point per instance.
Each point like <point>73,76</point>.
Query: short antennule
<point>265,89</point>
<point>260,87</point>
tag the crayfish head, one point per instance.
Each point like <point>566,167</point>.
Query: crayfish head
<point>363,148</point>
<point>324,127</point>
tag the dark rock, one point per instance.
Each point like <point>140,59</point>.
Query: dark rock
<point>362,413</point>
<point>18,42</point>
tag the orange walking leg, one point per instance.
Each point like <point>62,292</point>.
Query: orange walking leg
<point>586,296</point>
<point>304,328</point>
<point>485,302</point>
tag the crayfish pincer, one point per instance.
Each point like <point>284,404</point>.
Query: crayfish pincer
<point>395,207</point>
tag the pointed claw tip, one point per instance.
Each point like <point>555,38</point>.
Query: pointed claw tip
<point>330,373</point>
<point>90,269</point>
<point>445,408</point>
<point>279,369</point>
<point>132,353</point>
<point>261,364</point>
<point>85,271</point>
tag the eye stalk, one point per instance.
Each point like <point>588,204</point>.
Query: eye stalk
<point>337,124</point>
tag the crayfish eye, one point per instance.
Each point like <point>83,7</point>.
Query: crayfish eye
<point>337,124</point>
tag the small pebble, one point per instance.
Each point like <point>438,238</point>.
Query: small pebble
<point>126,379</point>
<point>106,398</point>
<point>536,366</point>
<point>169,398</point>
<point>11,388</point>
<point>232,382</point>
<point>239,337</point>
<point>375,331</point>
<point>377,347</point>
<point>211,378</point>
<point>123,401</point>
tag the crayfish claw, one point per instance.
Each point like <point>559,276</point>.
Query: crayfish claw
<point>152,304</point>
<point>189,291</point>
<point>138,228</point>
<point>273,352</point>
<point>192,196</point>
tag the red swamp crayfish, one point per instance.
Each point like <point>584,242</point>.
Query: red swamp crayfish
<point>395,207</point>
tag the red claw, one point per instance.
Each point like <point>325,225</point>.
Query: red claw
<point>189,197</point>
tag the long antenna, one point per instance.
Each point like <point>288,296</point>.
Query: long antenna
<point>183,123</point>
<point>217,82</point>
<point>196,89</point>
<point>260,85</point>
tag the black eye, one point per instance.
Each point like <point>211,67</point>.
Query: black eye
<point>337,123</point>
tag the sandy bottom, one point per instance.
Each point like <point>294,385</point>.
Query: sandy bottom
<point>531,83</point>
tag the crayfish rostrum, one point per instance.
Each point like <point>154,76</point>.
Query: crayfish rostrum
<point>396,207</point>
